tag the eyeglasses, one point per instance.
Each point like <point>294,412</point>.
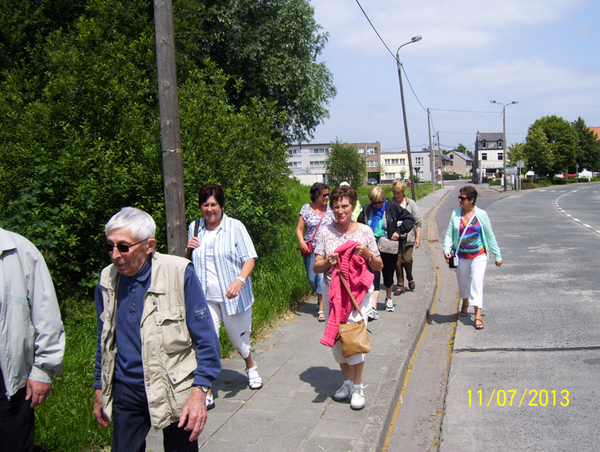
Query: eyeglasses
<point>108,247</point>
<point>325,195</point>
<point>463,198</point>
<point>378,202</point>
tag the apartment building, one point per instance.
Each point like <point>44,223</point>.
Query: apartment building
<point>307,162</point>
<point>488,163</point>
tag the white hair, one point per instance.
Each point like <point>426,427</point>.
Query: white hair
<point>139,223</point>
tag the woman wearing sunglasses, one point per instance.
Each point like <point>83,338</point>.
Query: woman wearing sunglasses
<point>470,237</point>
<point>389,221</point>
<point>314,216</point>
<point>223,256</point>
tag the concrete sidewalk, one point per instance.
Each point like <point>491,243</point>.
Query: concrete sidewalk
<point>294,410</point>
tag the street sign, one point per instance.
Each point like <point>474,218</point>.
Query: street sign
<point>521,164</point>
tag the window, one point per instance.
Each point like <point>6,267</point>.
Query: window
<point>419,161</point>
<point>484,156</point>
<point>484,144</point>
<point>392,161</point>
<point>319,151</point>
<point>500,144</point>
<point>295,165</point>
<point>402,161</point>
<point>372,164</point>
<point>371,151</point>
<point>294,152</point>
<point>361,150</point>
<point>500,155</point>
<point>390,176</point>
<point>317,165</point>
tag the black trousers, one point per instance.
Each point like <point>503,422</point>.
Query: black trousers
<point>131,422</point>
<point>17,421</point>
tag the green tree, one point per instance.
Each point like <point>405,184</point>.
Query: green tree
<point>516,152</point>
<point>558,151</point>
<point>538,154</point>
<point>83,140</point>
<point>345,164</point>
<point>269,47</point>
<point>588,155</point>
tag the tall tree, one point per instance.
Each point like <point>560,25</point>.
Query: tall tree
<point>588,154</point>
<point>269,47</point>
<point>345,164</point>
<point>537,152</point>
<point>555,152</point>
<point>82,139</point>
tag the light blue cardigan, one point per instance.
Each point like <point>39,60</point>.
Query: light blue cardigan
<point>489,240</point>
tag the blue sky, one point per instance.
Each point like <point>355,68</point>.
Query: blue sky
<point>545,54</point>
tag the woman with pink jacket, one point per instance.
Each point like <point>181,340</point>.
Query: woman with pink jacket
<point>352,246</point>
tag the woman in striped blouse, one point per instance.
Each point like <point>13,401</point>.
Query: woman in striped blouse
<point>223,256</point>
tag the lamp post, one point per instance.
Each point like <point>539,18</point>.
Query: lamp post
<point>399,65</point>
<point>504,135</point>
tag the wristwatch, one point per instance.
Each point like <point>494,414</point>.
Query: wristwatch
<point>204,388</point>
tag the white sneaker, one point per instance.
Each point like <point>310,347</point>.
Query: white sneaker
<point>210,402</point>
<point>373,314</point>
<point>358,398</point>
<point>344,391</point>
<point>389,304</point>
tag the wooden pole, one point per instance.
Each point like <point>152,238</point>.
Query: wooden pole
<point>169,127</point>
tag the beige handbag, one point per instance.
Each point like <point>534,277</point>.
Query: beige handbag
<point>388,246</point>
<point>353,336</point>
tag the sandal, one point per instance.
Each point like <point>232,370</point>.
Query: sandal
<point>321,316</point>
<point>464,311</point>
<point>254,380</point>
<point>478,326</point>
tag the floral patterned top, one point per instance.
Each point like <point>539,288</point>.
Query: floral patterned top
<point>330,239</point>
<point>311,221</point>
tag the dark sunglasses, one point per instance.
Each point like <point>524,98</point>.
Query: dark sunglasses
<point>378,202</point>
<point>463,198</point>
<point>325,195</point>
<point>108,247</point>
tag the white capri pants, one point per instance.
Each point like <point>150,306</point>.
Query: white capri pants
<point>238,326</point>
<point>365,306</point>
<point>470,274</point>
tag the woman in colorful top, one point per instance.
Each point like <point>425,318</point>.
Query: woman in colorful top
<point>313,218</point>
<point>477,241</point>
<point>344,229</point>
<point>223,256</point>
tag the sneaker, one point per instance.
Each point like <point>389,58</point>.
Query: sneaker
<point>389,304</point>
<point>358,398</point>
<point>373,314</point>
<point>344,392</point>
<point>210,402</point>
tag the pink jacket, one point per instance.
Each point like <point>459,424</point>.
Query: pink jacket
<point>359,279</point>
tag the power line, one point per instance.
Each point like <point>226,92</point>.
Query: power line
<point>375,30</point>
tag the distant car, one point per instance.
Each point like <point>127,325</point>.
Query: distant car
<point>372,181</point>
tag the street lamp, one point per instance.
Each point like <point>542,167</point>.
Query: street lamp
<point>504,134</point>
<point>399,65</point>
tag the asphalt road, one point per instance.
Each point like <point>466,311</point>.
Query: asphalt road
<point>530,379</point>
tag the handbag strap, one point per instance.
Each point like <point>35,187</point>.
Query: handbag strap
<point>464,232</point>
<point>317,230</point>
<point>356,306</point>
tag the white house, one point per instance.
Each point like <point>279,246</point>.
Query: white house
<point>395,166</point>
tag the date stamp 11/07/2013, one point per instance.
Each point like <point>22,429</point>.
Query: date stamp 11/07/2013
<point>513,397</point>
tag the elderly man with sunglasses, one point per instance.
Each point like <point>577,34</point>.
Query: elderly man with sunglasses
<point>157,351</point>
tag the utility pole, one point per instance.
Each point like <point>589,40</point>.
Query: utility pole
<point>169,127</point>
<point>440,156</point>
<point>431,156</point>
